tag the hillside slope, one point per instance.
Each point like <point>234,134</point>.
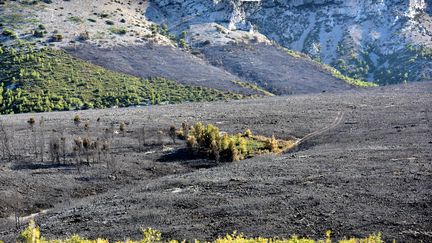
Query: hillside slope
<point>274,69</point>
<point>161,61</point>
<point>382,41</point>
<point>118,36</point>
<point>36,80</point>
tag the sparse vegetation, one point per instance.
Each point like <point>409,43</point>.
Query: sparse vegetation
<point>252,87</point>
<point>76,19</point>
<point>334,72</point>
<point>220,29</point>
<point>9,33</point>
<point>117,30</point>
<point>122,128</point>
<point>405,66</point>
<point>183,44</point>
<point>39,33</point>
<point>77,120</point>
<point>57,38</point>
<point>352,81</point>
<point>402,66</point>
<point>104,15</point>
<point>32,234</point>
<point>163,30</point>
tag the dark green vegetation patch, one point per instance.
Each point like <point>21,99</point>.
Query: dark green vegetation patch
<point>38,80</point>
<point>405,65</point>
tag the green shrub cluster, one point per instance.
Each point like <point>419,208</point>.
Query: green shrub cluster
<point>9,33</point>
<point>38,80</point>
<point>117,30</point>
<point>405,66</point>
<point>353,81</point>
<point>76,19</point>
<point>402,66</point>
<point>208,141</point>
<point>334,72</point>
<point>56,37</point>
<point>163,30</point>
<point>252,87</point>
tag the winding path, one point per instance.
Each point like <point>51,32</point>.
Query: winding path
<point>334,124</point>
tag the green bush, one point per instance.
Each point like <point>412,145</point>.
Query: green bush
<point>118,30</point>
<point>207,141</point>
<point>183,44</point>
<point>39,33</point>
<point>57,38</point>
<point>76,19</point>
<point>77,120</point>
<point>10,33</point>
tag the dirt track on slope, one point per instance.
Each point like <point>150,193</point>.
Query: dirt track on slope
<point>371,172</point>
<point>333,125</point>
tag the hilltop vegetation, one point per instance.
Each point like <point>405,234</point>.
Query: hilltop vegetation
<point>406,65</point>
<point>44,79</point>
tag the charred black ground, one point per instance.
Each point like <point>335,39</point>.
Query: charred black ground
<point>216,67</point>
<point>370,173</point>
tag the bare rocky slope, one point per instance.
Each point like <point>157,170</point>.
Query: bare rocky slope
<point>386,41</point>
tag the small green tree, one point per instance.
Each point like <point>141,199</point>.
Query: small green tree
<point>192,143</point>
<point>248,133</point>
<point>122,128</point>
<point>233,154</point>
<point>77,120</point>
<point>198,132</point>
<point>242,146</point>
<point>272,144</point>
<point>210,134</point>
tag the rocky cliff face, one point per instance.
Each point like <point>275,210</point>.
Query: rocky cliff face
<point>386,41</point>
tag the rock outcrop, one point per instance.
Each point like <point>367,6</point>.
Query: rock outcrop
<point>383,40</point>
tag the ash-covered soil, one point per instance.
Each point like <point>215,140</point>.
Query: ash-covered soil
<point>273,69</point>
<point>216,66</point>
<point>160,61</point>
<point>372,172</point>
